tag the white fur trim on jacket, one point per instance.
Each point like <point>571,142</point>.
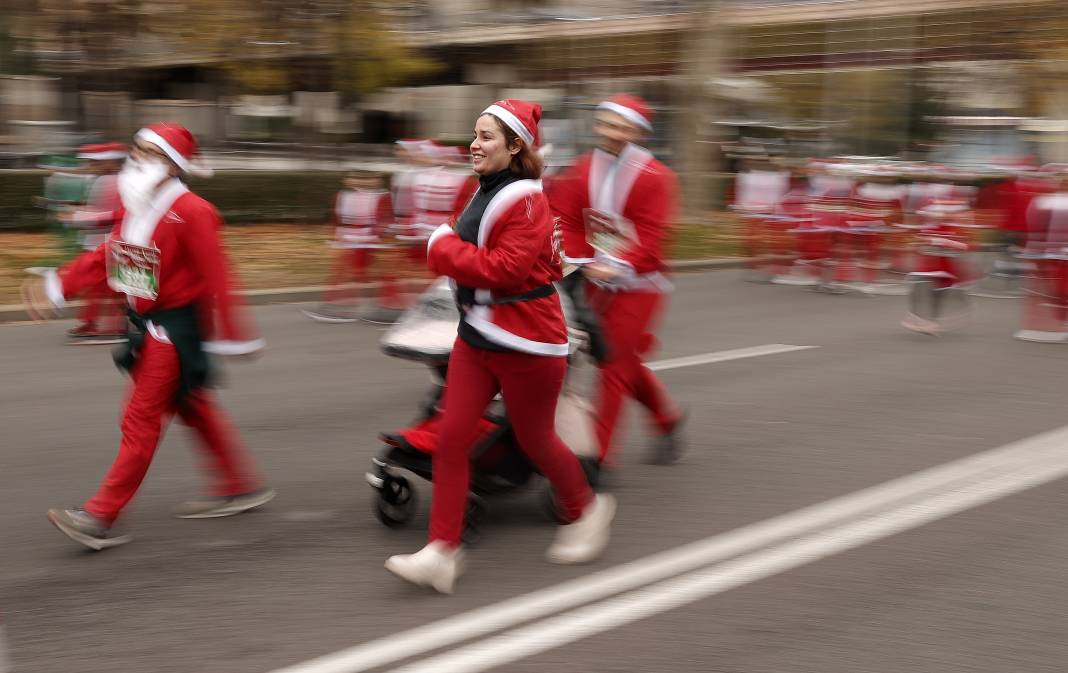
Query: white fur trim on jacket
<point>504,200</point>
<point>503,337</point>
<point>138,229</point>
<point>54,289</point>
<point>442,231</point>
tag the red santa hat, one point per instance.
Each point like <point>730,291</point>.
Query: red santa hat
<point>178,143</point>
<point>519,115</point>
<point>631,108</point>
<point>449,154</point>
<point>413,145</point>
<point>102,152</point>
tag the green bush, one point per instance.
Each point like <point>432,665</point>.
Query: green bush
<point>243,197</point>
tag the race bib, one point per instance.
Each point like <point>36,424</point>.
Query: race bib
<point>607,233</point>
<point>133,269</point>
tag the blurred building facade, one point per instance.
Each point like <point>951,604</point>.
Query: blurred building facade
<point>847,76</point>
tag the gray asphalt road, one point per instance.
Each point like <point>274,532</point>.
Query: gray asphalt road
<point>979,591</point>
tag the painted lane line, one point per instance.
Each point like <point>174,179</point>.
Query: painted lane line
<point>724,356</point>
<point>578,624</point>
<point>673,562</point>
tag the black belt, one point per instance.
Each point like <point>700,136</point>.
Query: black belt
<point>183,331</point>
<point>539,292</point>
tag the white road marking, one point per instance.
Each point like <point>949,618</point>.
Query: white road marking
<point>680,591</point>
<point>921,486</point>
<point>724,356</point>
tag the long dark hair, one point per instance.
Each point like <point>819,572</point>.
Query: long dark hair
<point>526,164</point>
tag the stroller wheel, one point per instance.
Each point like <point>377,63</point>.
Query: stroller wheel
<point>394,501</point>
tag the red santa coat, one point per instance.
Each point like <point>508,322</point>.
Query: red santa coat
<point>635,187</point>
<point>1047,224</point>
<point>438,195</point>
<point>875,206</point>
<point>514,255</point>
<point>360,217</point>
<point>178,239</point>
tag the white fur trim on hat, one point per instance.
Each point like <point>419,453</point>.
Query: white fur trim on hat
<point>150,136</point>
<point>627,113</point>
<point>512,122</point>
<point>102,156</point>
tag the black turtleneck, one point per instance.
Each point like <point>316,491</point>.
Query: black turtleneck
<point>467,228</point>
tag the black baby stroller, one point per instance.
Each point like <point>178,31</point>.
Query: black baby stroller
<point>425,333</point>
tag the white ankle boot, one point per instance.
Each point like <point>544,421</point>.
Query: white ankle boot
<point>584,539</point>
<point>435,565</point>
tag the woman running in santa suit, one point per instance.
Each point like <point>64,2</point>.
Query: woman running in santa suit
<point>166,256</point>
<point>512,338</point>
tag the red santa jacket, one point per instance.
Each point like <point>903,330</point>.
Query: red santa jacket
<point>633,186</point>
<point>168,257</point>
<point>514,255</point>
<point>1047,224</point>
<point>438,196</point>
<point>360,217</point>
<point>875,205</point>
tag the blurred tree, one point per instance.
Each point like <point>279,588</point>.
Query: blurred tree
<point>268,45</point>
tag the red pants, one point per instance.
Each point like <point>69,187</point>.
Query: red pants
<point>151,404</point>
<point>351,264</point>
<point>627,319</point>
<point>530,385</point>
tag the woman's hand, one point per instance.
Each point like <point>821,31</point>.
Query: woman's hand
<point>34,297</point>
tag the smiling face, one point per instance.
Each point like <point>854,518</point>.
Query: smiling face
<point>490,151</point>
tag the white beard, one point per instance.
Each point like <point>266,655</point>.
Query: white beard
<point>138,181</point>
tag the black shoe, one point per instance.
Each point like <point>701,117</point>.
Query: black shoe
<point>669,446</point>
<point>86,529</point>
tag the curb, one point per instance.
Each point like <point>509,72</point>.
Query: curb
<point>293,295</point>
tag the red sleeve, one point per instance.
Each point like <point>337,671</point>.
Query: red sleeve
<point>522,236</point>
<point>202,242</point>
<point>566,201</point>
<point>85,271</point>
<point>653,214</point>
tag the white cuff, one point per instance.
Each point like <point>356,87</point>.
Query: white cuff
<point>442,230</point>
<point>234,347</point>
<point>623,267</point>
<point>54,289</point>
<point>579,260</point>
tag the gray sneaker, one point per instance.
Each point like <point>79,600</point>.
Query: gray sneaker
<point>331,313</point>
<point>212,507</point>
<point>669,446</point>
<point>86,529</point>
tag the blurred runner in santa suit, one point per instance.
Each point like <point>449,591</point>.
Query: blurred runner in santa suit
<point>616,208</point>
<point>166,256</point>
<point>363,214</point>
<point>102,317</point>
